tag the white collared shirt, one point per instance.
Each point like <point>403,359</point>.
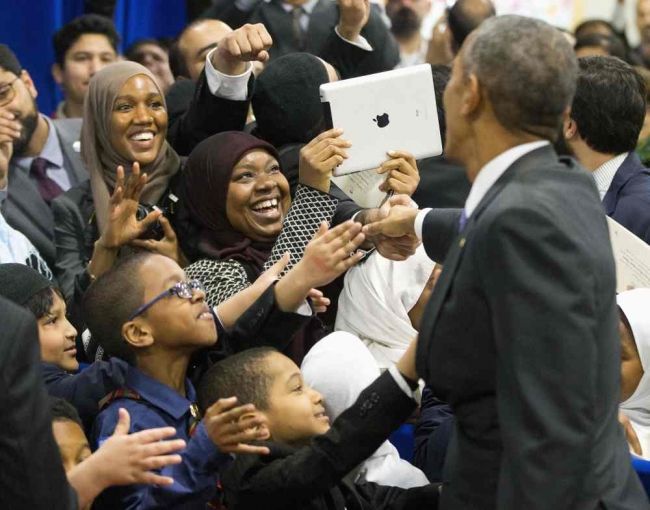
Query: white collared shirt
<point>486,178</point>
<point>604,174</point>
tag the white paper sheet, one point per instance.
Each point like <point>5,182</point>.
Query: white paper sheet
<point>362,187</point>
<point>632,256</point>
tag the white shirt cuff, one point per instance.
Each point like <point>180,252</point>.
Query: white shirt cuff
<point>226,86</point>
<point>361,41</point>
<point>304,309</point>
<point>401,382</point>
<point>419,220</point>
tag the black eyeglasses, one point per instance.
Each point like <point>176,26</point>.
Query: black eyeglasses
<point>183,290</point>
<point>7,92</point>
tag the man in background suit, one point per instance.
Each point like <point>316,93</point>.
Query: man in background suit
<point>42,156</point>
<point>520,334</point>
<point>602,132</point>
<point>336,31</point>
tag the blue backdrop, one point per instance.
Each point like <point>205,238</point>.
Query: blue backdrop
<point>27,27</point>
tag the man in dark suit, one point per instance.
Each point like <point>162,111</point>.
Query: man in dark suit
<point>42,157</point>
<point>602,132</point>
<point>338,32</point>
<point>520,334</point>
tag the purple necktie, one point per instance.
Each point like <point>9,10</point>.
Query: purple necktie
<point>462,221</point>
<point>48,189</point>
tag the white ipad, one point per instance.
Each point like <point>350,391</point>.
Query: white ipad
<point>394,110</point>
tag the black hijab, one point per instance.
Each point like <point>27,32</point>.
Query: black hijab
<point>286,101</point>
<point>206,177</point>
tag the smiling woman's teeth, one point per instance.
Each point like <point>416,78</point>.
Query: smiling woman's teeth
<point>266,204</point>
<point>142,137</point>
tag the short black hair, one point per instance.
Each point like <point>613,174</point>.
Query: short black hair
<point>69,33</point>
<point>243,375</point>
<point>464,17</point>
<point>177,63</point>
<point>110,300</point>
<point>590,26</point>
<point>441,75</point>
<point>132,50</point>
<point>609,105</point>
<point>528,70</point>
<point>611,44</point>
<point>62,410</point>
<point>41,302</point>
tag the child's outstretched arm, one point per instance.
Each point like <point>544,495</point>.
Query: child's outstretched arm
<point>126,459</point>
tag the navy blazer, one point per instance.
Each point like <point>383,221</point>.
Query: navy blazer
<point>628,198</point>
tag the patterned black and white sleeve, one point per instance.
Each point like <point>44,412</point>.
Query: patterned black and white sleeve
<point>310,207</point>
<point>222,279</point>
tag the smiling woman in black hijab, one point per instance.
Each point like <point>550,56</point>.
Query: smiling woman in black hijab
<point>239,204</point>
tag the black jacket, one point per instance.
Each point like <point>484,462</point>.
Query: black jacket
<point>311,477</point>
<point>520,338</point>
<point>32,475</point>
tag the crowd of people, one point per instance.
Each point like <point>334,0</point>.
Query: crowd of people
<point>195,316</point>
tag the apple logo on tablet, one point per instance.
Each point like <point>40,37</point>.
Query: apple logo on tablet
<point>381,120</point>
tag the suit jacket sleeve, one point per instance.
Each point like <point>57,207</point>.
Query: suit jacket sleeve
<point>264,324</point>
<point>351,61</point>
<point>322,464</point>
<point>439,229</point>
<point>543,320</point>
<point>207,115</point>
<point>69,239</point>
<point>85,389</point>
<point>395,498</point>
<point>35,479</point>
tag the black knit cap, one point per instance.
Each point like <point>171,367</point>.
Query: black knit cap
<point>19,283</point>
<point>8,60</point>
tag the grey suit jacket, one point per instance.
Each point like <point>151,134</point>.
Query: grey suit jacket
<point>25,210</point>
<point>520,338</point>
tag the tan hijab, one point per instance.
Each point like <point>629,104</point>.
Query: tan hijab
<point>100,157</point>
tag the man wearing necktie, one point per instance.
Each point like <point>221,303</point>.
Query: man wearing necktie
<point>520,334</point>
<point>38,156</point>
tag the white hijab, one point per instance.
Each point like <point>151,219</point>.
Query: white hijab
<point>636,307</point>
<point>339,367</point>
<point>376,300</point>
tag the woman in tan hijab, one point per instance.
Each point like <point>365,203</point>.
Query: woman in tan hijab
<point>130,197</point>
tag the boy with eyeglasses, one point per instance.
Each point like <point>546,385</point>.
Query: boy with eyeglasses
<point>144,312</point>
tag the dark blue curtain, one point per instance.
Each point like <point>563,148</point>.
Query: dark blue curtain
<point>27,27</point>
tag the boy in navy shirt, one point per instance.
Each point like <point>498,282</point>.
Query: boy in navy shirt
<point>145,312</point>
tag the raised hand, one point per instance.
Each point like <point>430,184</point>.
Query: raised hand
<point>319,302</point>
<point>320,157</point>
<point>354,15</point>
<point>167,246</point>
<point>247,43</point>
<point>9,132</point>
<point>402,175</point>
<point>131,458</point>
<point>123,226</point>
<point>233,427</point>
<point>397,220</point>
<point>330,253</point>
